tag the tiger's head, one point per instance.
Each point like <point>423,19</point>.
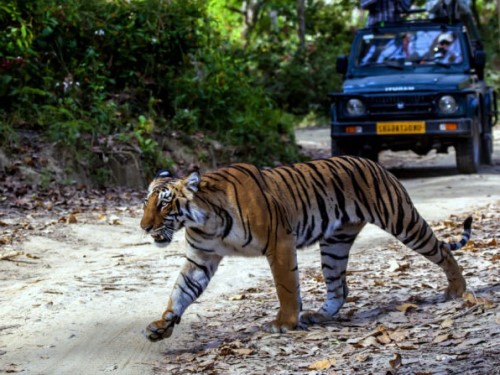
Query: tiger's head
<point>169,206</point>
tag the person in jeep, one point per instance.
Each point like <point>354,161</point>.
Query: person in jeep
<point>444,52</point>
<point>396,49</point>
<point>384,10</point>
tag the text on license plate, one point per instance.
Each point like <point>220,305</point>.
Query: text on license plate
<point>401,127</point>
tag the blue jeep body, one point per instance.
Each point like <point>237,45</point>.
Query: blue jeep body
<point>401,93</point>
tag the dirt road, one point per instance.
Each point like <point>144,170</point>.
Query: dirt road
<point>78,293</point>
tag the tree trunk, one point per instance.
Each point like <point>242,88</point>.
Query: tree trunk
<point>498,11</point>
<point>301,18</point>
<point>475,14</point>
<point>250,10</point>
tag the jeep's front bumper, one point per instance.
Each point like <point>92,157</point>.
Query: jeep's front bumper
<point>435,128</point>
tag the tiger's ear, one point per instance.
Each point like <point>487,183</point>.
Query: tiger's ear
<point>193,181</point>
<point>162,173</point>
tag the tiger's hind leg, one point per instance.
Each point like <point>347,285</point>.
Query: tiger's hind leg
<point>334,257</point>
<point>422,239</point>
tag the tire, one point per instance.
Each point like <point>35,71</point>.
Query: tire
<point>369,154</point>
<point>338,149</point>
<point>468,152</point>
<point>487,149</point>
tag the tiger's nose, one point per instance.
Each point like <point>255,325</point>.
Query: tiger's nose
<point>146,226</point>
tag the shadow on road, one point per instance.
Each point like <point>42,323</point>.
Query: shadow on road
<point>411,172</point>
<point>423,172</point>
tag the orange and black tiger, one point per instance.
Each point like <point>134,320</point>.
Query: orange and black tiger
<point>246,211</point>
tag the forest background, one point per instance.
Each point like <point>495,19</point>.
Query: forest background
<point>226,80</point>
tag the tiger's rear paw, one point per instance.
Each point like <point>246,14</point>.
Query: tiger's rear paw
<point>161,329</point>
<point>455,289</point>
<point>325,313</point>
<point>309,318</point>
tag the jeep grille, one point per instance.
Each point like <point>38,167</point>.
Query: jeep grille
<point>399,105</point>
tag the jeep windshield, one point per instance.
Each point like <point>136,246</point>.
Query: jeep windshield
<point>429,49</point>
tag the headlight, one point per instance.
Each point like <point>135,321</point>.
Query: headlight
<point>448,104</point>
<point>355,107</point>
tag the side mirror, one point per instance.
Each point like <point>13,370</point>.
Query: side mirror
<point>479,58</point>
<point>341,64</point>
<point>479,62</point>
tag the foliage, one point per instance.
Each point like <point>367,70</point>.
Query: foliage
<point>80,70</point>
<point>297,80</point>
<point>138,70</point>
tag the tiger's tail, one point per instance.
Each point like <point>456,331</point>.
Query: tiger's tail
<point>465,236</point>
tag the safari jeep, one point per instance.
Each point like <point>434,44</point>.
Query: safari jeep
<point>415,85</point>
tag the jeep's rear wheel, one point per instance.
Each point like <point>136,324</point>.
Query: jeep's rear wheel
<point>468,152</point>
<point>487,149</point>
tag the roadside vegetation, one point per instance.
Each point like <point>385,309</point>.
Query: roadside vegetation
<point>226,80</point>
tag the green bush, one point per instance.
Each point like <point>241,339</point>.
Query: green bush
<point>78,71</point>
<point>298,80</point>
<point>86,73</point>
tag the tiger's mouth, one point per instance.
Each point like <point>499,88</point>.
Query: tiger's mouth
<point>162,237</point>
<point>160,240</point>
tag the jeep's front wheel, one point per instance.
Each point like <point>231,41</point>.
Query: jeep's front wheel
<point>468,152</point>
<point>339,149</point>
<point>371,154</point>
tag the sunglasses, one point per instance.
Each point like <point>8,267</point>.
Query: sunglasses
<point>444,43</point>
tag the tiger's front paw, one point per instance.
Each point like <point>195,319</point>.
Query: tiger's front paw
<point>279,327</point>
<point>162,329</point>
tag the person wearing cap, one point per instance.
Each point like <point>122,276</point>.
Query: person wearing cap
<point>443,53</point>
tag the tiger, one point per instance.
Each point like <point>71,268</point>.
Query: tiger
<point>241,210</point>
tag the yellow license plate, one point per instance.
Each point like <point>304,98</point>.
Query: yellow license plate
<point>401,127</point>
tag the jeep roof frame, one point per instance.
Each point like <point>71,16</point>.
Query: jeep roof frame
<point>466,20</point>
